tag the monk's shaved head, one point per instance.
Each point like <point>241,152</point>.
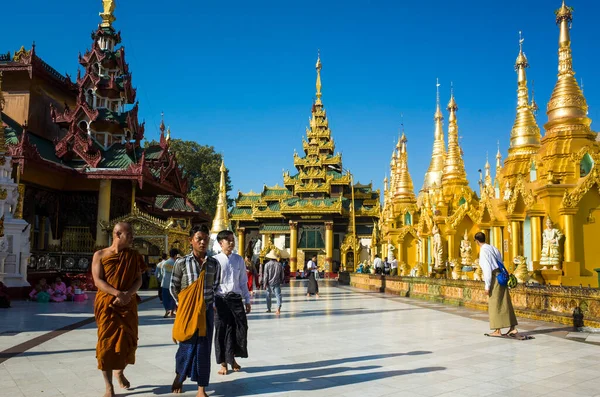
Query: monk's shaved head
<point>121,227</point>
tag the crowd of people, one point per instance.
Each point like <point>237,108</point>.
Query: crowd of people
<point>209,297</point>
<point>58,291</point>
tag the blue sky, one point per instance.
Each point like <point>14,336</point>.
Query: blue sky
<point>240,75</point>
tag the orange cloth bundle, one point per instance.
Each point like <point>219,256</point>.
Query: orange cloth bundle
<point>118,325</point>
<point>191,311</point>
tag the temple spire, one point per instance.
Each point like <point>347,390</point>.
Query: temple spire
<point>318,67</point>
<point>107,14</point>
<point>404,189</point>
<point>436,166</point>
<point>525,134</point>
<point>498,157</point>
<point>454,167</point>
<point>567,102</point>
<point>221,220</point>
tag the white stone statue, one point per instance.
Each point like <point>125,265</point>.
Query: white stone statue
<point>391,250</point>
<point>256,250</point>
<point>550,246</point>
<point>465,250</point>
<point>507,192</point>
<point>438,249</point>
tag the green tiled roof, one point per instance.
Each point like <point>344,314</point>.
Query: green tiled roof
<point>153,152</point>
<point>109,115</point>
<point>172,203</point>
<point>275,228</point>
<point>270,192</point>
<point>116,157</point>
<point>293,201</point>
<point>241,211</point>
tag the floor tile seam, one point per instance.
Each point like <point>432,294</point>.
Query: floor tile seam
<point>22,347</point>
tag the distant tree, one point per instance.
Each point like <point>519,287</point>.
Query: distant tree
<point>201,167</point>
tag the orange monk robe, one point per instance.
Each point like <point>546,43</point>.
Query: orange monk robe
<point>118,325</point>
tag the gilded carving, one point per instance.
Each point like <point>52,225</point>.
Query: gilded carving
<point>571,199</point>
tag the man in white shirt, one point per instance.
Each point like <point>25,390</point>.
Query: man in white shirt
<point>394,266</point>
<point>378,265</point>
<point>232,301</point>
<point>500,309</point>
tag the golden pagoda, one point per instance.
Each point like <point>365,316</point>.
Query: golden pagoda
<point>540,207</point>
<point>319,210</point>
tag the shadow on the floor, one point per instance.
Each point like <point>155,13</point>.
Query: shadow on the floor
<point>31,354</point>
<point>313,379</point>
<point>316,379</point>
<point>325,312</point>
<point>328,363</point>
<point>547,331</point>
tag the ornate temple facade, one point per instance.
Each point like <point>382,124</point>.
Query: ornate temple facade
<point>318,210</point>
<point>79,161</point>
<point>540,207</point>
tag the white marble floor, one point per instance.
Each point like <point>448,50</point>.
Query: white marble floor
<point>347,343</point>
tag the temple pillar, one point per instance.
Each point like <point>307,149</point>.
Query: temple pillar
<point>329,246</point>
<point>19,210</point>
<point>241,237</point>
<point>103,212</point>
<point>293,246</point>
<point>536,238</point>
<point>515,243</point>
<point>497,239</point>
<point>400,251</point>
<point>569,238</point>
<point>42,234</point>
<point>450,239</point>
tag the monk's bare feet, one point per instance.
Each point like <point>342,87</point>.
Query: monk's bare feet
<point>123,382</point>
<point>177,386</point>
<point>278,312</point>
<point>223,369</point>
<point>235,366</point>
<point>201,392</point>
<point>110,392</point>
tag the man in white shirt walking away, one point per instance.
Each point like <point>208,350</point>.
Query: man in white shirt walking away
<point>500,309</point>
<point>232,301</point>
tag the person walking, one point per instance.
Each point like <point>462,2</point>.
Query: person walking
<point>195,279</point>
<point>117,272</point>
<point>313,285</point>
<point>232,301</point>
<point>164,271</point>
<point>500,309</point>
<point>272,279</point>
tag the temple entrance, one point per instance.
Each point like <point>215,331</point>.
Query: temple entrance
<point>587,230</point>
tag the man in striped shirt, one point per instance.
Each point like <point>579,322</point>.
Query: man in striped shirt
<point>193,355</point>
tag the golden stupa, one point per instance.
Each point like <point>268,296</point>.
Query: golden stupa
<point>541,205</point>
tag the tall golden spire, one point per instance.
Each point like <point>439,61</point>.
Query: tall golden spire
<point>498,158</point>
<point>567,103</point>
<point>525,134</point>
<point>221,221</point>
<point>107,15</point>
<point>318,67</point>
<point>436,166</point>
<point>454,167</point>
<point>404,190</point>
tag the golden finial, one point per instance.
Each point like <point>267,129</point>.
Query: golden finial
<point>567,100</point>
<point>436,166</point>
<point>162,122</point>
<point>221,220</point>
<point>525,134</point>
<point>318,67</point>
<point>498,157</point>
<point>107,15</point>
<point>168,137</point>
<point>403,188</point>
<point>534,106</point>
<point>454,166</point>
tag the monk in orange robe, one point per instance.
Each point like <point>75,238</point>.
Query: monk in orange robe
<point>117,272</point>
